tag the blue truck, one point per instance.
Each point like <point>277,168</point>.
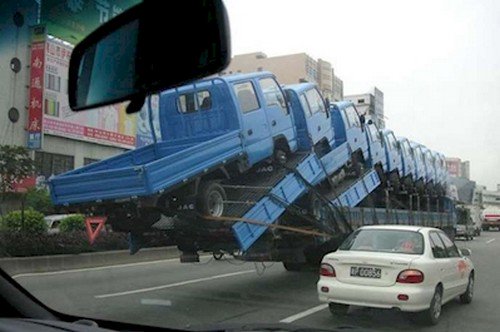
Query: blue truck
<point>264,162</point>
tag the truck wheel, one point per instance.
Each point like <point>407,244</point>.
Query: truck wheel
<point>211,197</point>
<point>358,165</point>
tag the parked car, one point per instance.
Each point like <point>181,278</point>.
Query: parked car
<point>411,268</point>
<point>54,220</point>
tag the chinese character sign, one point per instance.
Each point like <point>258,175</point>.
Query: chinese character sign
<point>35,111</point>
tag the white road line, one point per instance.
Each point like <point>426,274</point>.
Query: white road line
<point>489,241</point>
<point>303,314</point>
<point>38,274</point>
<point>176,284</point>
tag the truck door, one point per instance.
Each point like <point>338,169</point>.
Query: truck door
<point>255,129</point>
<point>317,119</point>
<point>277,112</point>
<point>376,147</point>
<point>393,153</point>
<point>354,131</point>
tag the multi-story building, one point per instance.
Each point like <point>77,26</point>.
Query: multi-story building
<point>458,168</point>
<point>371,104</point>
<point>290,69</point>
<point>34,97</point>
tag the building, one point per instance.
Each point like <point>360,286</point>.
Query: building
<point>371,104</point>
<point>290,69</point>
<point>458,168</point>
<point>489,198</point>
<point>34,97</point>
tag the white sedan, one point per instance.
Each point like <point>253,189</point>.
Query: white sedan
<point>410,268</point>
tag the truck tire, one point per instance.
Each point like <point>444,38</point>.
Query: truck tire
<point>358,164</point>
<point>210,200</point>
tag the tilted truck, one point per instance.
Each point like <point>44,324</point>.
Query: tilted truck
<point>248,168</point>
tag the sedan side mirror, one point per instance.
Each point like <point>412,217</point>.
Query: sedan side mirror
<point>465,252</point>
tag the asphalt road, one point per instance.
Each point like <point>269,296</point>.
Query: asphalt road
<point>167,293</point>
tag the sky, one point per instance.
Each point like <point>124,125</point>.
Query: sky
<point>437,62</point>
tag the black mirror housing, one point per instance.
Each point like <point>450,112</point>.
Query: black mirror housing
<point>149,48</point>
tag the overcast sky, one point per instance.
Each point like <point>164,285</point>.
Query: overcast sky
<point>437,62</point>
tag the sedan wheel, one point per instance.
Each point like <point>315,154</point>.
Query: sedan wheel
<point>338,309</point>
<point>466,297</point>
<point>431,315</point>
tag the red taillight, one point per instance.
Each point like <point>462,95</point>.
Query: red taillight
<point>326,270</point>
<point>410,277</point>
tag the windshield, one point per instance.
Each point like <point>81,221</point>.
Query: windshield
<point>401,242</point>
<point>215,204</point>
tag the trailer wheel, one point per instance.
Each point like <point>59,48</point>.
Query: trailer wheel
<point>211,197</point>
<point>358,164</point>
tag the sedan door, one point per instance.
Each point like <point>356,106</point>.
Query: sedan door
<point>459,270</point>
<point>445,265</point>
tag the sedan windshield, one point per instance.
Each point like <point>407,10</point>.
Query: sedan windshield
<point>396,241</point>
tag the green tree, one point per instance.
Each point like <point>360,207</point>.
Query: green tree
<point>72,223</point>
<point>15,165</point>
<point>33,221</point>
<point>39,200</point>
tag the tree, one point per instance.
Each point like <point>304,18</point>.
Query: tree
<point>39,200</point>
<point>15,165</point>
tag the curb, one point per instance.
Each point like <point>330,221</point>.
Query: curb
<point>18,265</point>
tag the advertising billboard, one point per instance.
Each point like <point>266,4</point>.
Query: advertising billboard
<point>108,125</point>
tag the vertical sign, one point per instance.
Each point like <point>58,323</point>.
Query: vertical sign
<point>35,101</point>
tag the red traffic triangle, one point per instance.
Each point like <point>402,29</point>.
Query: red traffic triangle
<point>94,225</point>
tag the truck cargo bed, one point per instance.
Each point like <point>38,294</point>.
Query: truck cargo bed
<point>146,170</point>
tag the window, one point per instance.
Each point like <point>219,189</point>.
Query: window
<point>194,101</point>
<point>305,105</point>
<point>88,161</point>
<point>48,164</point>
<point>361,101</point>
<point>451,249</point>
<point>385,240</point>
<point>315,101</point>
<point>53,82</point>
<point>204,100</point>
<point>438,249</point>
<point>374,134</point>
<point>352,117</point>
<point>247,98</point>
<point>272,94</point>
<point>391,140</point>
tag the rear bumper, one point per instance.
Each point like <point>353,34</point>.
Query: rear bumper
<point>419,297</point>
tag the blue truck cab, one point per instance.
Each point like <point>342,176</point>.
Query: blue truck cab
<point>429,166</point>
<point>349,127</point>
<point>376,149</point>
<point>310,116</point>
<point>408,168</point>
<point>420,169</point>
<point>443,172</point>
<point>392,152</point>
<point>207,128</point>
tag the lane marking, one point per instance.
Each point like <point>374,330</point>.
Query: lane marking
<point>305,313</point>
<point>176,284</point>
<point>38,274</point>
<point>165,303</point>
<point>489,241</point>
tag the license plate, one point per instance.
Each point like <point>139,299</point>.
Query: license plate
<point>366,272</point>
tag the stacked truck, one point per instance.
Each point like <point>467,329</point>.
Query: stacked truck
<point>263,172</point>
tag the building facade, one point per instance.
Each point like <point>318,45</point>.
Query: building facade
<point>36,80</point>
<point>371,104</point>
<point>291,69</point>
<point>458,168</point>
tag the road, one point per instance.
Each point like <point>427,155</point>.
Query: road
<point>167,293</point>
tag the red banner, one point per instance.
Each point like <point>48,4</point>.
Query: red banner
<point>35,110</point>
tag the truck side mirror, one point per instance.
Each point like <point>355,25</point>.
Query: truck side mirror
<point>466,252</point>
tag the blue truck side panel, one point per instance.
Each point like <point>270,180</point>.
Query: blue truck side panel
<point>138,173</point>
<point>358,190</point>
<point>269,209</point>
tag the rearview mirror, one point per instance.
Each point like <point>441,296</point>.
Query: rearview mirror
<point>150,47</point>
<point>465,252</point>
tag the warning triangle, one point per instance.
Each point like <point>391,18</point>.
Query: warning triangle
<point>94,225</point>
